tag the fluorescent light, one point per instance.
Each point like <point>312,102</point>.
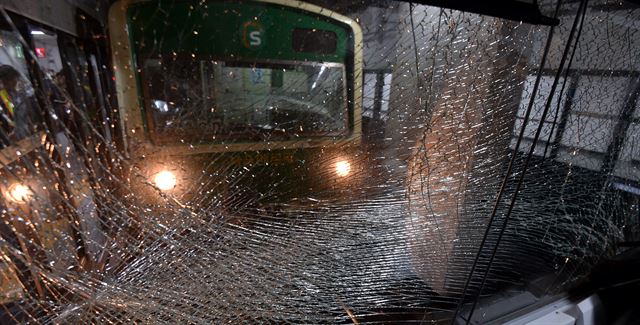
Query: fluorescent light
<point>37,32</point>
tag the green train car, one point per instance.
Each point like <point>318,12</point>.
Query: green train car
<point>253,101</point>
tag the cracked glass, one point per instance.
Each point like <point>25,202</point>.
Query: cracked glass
<point>312,162</point>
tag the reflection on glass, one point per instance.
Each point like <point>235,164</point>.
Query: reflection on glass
<point>205,100</point>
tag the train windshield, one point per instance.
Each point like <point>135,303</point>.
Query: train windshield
<point>194,99</point>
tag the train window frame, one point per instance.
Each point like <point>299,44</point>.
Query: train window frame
<point>153,135</point>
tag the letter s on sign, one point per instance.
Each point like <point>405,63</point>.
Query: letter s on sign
<point>252,35</point>
<point>254,38</point>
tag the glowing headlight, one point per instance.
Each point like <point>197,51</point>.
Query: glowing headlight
<point>19,193</point>
<point>165,180</point>
<point>343,168</point>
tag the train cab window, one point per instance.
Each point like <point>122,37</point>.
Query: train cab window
<point>211,100</point>
<point>65,76</point>
<point>77,71</point>
<point>56,85</point>
<point>19,117</point>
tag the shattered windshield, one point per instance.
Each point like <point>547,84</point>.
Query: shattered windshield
<point>319,162</point>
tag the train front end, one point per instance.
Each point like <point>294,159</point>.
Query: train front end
<point>239,104</point>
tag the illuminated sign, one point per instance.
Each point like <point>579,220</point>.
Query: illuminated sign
<point>18,49</point>
<point>41,52</point>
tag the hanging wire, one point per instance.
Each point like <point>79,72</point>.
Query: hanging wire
<point>581,12</point>
<point>509,169</point>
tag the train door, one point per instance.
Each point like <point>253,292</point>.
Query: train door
<point>34,234</point>
<point>61,230</point>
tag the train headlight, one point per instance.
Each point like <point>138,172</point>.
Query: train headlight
<point>165,180</point>
<point>343,168</point>
<point>19,193</point>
